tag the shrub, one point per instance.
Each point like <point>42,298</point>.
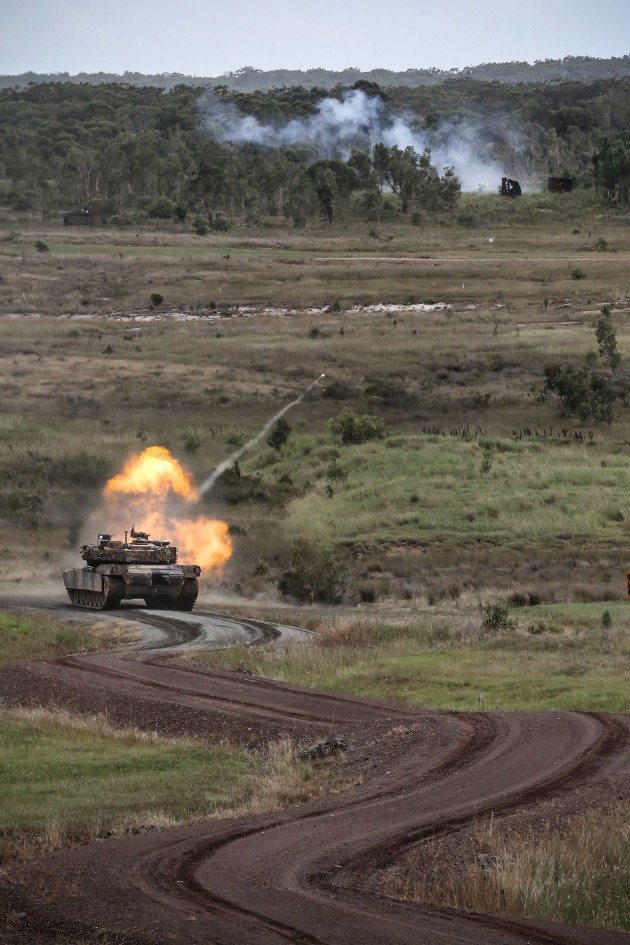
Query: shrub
<point>580,392</point>
<point>41,246</point>
<point>335,473</point>
<point>192,441</point>
<point>496,618</point>
<point>314,575</point>
<point>156,298</point>
<point>219,224</point>
<point>279,435</point>
<point>367,593</point>
<point>261,567</point>
<point>607,339</point>
<point>161,208</point>
<point>388,389</point>
<point>339,390</point>
<point>356,428</point>
<point>200,227</point>
<point>578,273</point>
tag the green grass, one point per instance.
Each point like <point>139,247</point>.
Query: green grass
<point>83,780</point>
<point>546,499</point>
<point>435,489</point>
<point>43,637</point>
<point>448,664</point>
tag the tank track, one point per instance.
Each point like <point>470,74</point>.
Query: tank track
<point>188,596</point>
<point>111,595</point>
<point>185,601</point>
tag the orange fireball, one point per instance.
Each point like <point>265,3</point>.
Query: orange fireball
<point>154,471</point>
<point>205,540</point>
<point>153,484</point>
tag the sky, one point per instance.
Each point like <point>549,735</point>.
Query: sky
<point>215,37</point>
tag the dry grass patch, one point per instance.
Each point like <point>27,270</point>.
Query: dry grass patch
<point>579,873</point>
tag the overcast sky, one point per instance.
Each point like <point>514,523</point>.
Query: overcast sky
<point>212,37</point>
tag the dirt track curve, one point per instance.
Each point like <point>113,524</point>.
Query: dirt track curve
<point>304,875</point>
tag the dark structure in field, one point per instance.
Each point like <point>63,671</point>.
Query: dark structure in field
<point>124,570</point>
<point>510,188</point>
<point>559,185</point>
<point>78,218</point>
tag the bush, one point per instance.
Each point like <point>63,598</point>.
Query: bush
<point>314,575</point>
<point>339,390</point>
<point>388,389</point>
<point>260,568</point>
<point>496,617</point>
<point>580,392</point>
<point>41,246</point>
<point>354,428</point>
<point>161,208</point>
<point>279,435</point>
<point>192,441</point>
<point>156,298</point>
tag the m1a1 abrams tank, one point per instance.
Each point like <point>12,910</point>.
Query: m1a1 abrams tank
<point>124,570</point>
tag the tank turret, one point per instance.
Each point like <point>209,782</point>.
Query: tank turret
<point>124,570</point>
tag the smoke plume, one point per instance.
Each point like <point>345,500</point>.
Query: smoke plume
<point>208,483</point>
<point>359,121</point>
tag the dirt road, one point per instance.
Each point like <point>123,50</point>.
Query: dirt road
<point>305,875</point>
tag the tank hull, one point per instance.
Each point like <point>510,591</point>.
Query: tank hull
<point>106,585</point>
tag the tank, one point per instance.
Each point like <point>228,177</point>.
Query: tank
<point>126,570</point>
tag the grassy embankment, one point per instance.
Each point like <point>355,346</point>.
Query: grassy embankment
<point>41,636</point>
<point>66,779</point>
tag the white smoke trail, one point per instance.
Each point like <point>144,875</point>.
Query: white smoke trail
<point>360,121</point>
<point>207,485</point>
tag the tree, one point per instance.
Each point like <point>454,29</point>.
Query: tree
<point>354,428</point>
<point>279,434</point>
<point>607,339</point>
<point>315,574</point>
<point>612,169</point>
<point>580,392</point>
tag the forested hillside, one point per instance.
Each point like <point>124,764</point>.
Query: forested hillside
<point>248,79</point>
<point>209,158</point>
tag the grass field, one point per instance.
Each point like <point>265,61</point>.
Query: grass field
<point>66,779</point>
<point>552,659</point>
<point>41,636</point>
<point>449,501</point>
<point>477,492</point>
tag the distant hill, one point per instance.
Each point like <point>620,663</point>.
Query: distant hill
<point>571,68</point>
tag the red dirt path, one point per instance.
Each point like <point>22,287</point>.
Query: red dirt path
<point>303,875</point>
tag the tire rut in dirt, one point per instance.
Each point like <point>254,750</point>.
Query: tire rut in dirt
<point>178,632</point>
<point>263,697</point>
<point>612,737</point>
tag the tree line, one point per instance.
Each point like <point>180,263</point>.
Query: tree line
<point>129,152</point>
<point>248,78</point>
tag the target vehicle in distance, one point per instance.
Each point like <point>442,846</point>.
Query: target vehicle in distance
<point>125,570</point>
